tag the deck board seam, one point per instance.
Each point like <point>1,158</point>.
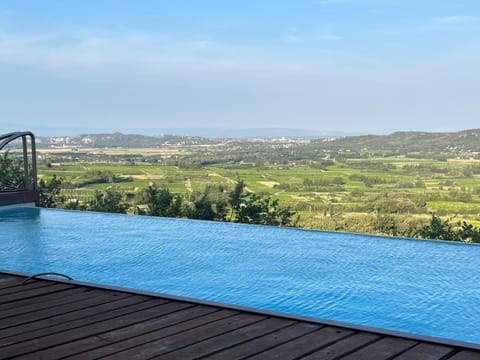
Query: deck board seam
<point>209,338</point>
<point>85,325</point>
<point>34,295</point>
<point>52,317</point>
<point>76,327</point>
<point>55,322</point>
<point>12,290</point>
<point>149,332</point>
<point>107,301</point>
<point>352,351</point>
<point>99,335</point>
<point>263,335</point>
<point>20,285</point>
<point>19,306</point>
<point>323,346</point>
<point>450,354</point>
<point>333,343</point>
<point>285,326</point>
<point>74,301</point>
<point>246,341</point>
<point>174,333</point>
<point>359,347</point>
<point>126,326</point>
<point>286,342</point>
<point>404,351</point>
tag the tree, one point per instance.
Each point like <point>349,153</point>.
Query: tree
<point>438,229</point>
<point>109,200</point>
<point>11,174</point>
<point>236,196</point>
<point>263,210</point>
<point>161,202</point>
<point>385,224</point>
<point>469,233</point>
<point>202,209</point>
<point>50,192</point>
<point>211,204</point>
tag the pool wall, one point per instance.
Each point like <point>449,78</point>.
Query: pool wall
<point>316,320</point>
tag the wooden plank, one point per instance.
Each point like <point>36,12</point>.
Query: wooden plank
<point>19,287</point>
<point>466,355</point>
<point>229,339</point>
<point>154,329</point>
<point>265,342</point>
<point>426,351</point>
<point>76,346</point>
<point>65,322</point>
<point>187,337</point>
<point>305,344</point>
<point>90,326</point>
<point>116,338</point>
<point>60,309</point>
<point>184,312</point>
<point>33,293</point>
<point>5,278</point>
<point>262,343</point>
<point>382,349</point>
<point>40,299</point>
<point>343,346</point>
<point>9,281</point>
<point>47,301</point>
<point>177,326</point>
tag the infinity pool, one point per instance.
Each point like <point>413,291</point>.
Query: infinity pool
<point>424,287</point>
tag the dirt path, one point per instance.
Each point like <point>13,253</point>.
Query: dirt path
<point>231,181</point>
<point>269,184</point>
<point>188,185</point>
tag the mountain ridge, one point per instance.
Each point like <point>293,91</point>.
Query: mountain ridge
<point>412,141</point>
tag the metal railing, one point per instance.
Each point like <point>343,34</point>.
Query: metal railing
<point>30,191</point>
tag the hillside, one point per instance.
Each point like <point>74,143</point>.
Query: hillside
<point>122,140</point>
<point>461,143</point>
<point>464,143</point>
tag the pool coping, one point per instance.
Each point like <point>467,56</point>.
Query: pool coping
<point>315,320</point>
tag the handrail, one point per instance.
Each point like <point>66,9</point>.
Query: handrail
<point>9,137</point>
<point>36,276</point>
<point>12,136</point>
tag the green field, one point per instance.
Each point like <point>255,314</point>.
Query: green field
<point>337,196</point>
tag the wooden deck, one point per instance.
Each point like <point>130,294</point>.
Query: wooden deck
<point>45,319</point>
<point>19,197</point>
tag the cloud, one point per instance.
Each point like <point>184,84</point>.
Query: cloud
<point>91,48</point>
<point>82,53</point>
<point>111,78</point>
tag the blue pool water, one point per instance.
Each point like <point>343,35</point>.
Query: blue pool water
<point>424,287</point>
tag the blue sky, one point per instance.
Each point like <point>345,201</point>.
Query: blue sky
<point>373,66</point>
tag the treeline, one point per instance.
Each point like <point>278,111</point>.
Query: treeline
<point>215,203</point>
<point>402,225</point>
<point>218,203</point>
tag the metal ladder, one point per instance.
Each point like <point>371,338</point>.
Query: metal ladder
<point>31,188</point>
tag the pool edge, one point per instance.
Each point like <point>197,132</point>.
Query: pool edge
<point>316,320</point>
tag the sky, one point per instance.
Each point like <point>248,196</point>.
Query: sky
<point>364,66</point>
